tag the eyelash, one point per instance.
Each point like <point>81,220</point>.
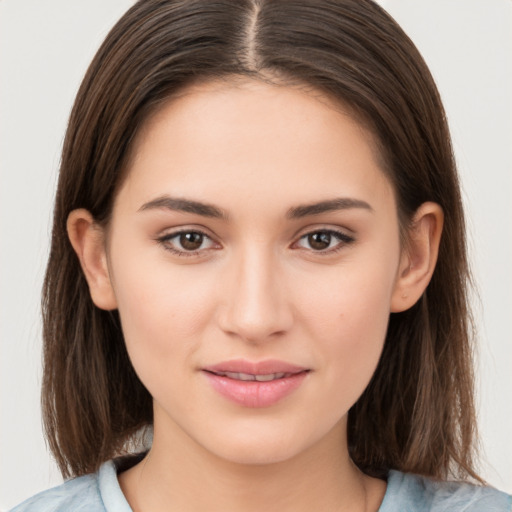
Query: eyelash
<point>164,240</point>
<point>343,240</point>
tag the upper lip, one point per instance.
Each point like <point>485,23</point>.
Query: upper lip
<point>266,367</point>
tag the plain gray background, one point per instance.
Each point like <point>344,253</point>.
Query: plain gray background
<point>45,48</point>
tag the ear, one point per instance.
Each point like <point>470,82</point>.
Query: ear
<point>88,241</point>
<point>419,256</point>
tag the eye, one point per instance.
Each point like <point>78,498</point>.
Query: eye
<point>187,243</point>
<point>324,240</point>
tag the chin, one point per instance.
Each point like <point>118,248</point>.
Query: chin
<point>259,448</point>
<point>259,456</point>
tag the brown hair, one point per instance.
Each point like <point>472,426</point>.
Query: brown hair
<point>417,414</point>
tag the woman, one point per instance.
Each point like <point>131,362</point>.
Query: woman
<point>259,252</point>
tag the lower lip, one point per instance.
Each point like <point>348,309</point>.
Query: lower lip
<point>254,393</point>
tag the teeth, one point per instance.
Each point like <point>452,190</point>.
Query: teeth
<point>243,376</point>
<point>236,376</point>
<point>251,377</point>
<point>265,378</point>
<point>272,376</point>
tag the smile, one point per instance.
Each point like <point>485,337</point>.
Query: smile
<point>255,385</point>
<point>252,377</point>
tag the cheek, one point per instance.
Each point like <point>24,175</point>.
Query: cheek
<point>162,310</point>
<point>348,316</point>
<point>352,298</point>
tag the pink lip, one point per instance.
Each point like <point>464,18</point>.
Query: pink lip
<point>252,393</point>
<point>256,368</point>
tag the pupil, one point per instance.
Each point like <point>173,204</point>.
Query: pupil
<point>319,241</point>
<point>191,241</point>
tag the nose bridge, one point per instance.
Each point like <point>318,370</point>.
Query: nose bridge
<point>256,306</point>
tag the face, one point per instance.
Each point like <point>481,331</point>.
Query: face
<point>253,253</point>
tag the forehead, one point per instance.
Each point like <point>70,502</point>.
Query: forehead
<point>270,139</point>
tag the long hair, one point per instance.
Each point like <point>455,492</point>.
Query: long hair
<point>417,414</point>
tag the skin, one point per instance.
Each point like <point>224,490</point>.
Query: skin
<point>257,288</point>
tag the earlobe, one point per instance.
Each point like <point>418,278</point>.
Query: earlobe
<point>88,241</point>
<point>419,257</point>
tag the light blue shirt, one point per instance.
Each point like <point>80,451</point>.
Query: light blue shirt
<point>100,492</point>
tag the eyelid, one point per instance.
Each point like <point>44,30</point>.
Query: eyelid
<point>341,234</point>
<point>167,235</point>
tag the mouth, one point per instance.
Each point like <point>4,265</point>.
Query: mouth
<point>252,377</point>
<point>255,385</point>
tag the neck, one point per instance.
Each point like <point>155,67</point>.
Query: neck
<point>179,475</point>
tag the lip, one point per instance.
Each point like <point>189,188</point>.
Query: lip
<point>255,393</point>
<point>256,368</point>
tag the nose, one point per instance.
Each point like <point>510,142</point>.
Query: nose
<point>255,305</point>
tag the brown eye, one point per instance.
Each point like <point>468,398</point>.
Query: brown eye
<point>187,243</point>
<point>325,241</point>
<point>191,241</point>
<point>319,241</point>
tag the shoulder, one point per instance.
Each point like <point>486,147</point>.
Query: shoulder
<point>414,493</point>
<point>98,492</point>
<point>78,494</point>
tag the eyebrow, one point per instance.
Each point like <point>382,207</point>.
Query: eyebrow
<point>185,205</point>
<point>296,212</point>
<point>341,203</point>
